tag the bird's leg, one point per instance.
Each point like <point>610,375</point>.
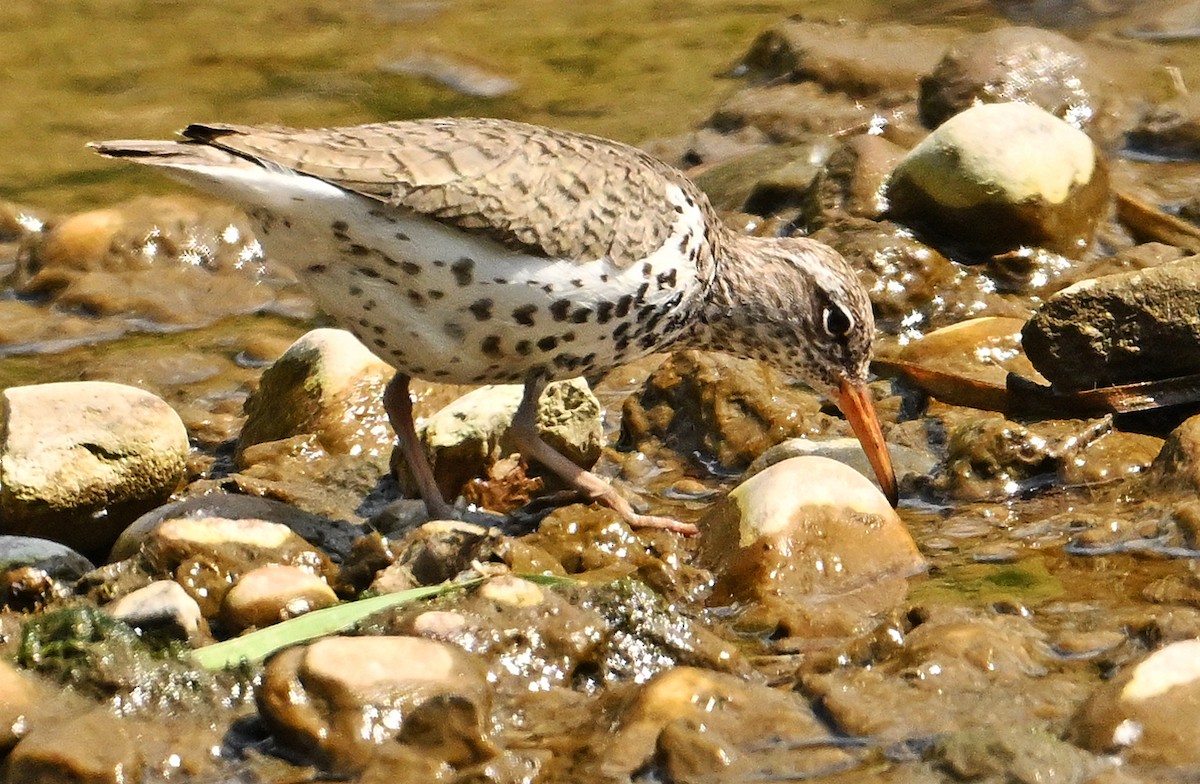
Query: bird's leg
<point>398,405</point>
<point>525,436</point>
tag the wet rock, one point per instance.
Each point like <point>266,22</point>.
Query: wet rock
<point>969,364</point>
<point>932,678</point>
<point>1088,644</point>
<point>1120,329</point>
<point>471,435</point>
<point>689,724</point>
<point>807,548</point>
<point>575,638</point>
<point>29,325</point>
<point>853,180</point>
<point>80,460</point>
<point>1026,64</point>
<point>274,593</point>
<point>462,77</point>
<point>332,537</point>
<point>171,260</point>
<point>729,183</point>
<point>92,748</point>
<point>913,287</point>
<point>984,349</point>
<point>511,590</point>
<point>433,553</point>
<point>1000,176</point>
<point>1148,713</point>
<point>1014,754</point>
<point>327,384</point>
<point>18,221</point>
<point>206,555</point>
<point>1031,271</point>
<point>715,406</point>
<point>907,461</point>
<point>989,456</point>
<point>29,589</point>
<point>439,625</point>
<point>1178,464</point>
<point>703,148</point>
<point>161,607</point>
<point>597,545</point>
<point>790,112</point>
<point>856,59</point>
<point>1170,129</point>
<point>17,700</point>
<point>420,692</point>
<point>57,560</point>
<point>316,434</point>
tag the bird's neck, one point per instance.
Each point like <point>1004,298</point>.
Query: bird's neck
<point>730,318</point>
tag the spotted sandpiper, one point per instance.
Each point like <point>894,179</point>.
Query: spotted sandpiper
<point>487,251</point>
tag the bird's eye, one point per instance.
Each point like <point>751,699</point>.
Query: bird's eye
<point>837,321</point>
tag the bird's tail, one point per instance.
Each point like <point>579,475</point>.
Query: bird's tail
<point>167,153</point>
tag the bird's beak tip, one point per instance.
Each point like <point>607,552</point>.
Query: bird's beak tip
<point>855,402</point>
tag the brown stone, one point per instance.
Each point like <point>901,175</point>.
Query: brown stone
<point>338,698</point>
<point>809,547</point>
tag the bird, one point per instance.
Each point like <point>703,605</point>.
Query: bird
<point>481,250</point>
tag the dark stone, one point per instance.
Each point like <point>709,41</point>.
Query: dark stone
<point>1119,329</point>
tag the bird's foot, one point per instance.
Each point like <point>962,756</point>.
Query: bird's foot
<point>619,504</point>
<point>663,523</point>
<point>532,513</point>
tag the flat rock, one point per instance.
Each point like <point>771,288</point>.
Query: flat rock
<point>809,547</point>
<point>80,460</point>
<point>1000,176</point>
<point>1119,329</point>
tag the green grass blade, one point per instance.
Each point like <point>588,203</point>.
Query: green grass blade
<point>258,645</point>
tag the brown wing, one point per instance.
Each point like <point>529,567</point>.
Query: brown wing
<point>535,190</point>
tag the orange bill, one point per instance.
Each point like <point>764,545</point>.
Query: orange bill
<point>855,402</point>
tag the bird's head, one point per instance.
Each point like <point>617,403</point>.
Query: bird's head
<point>800,307</point>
